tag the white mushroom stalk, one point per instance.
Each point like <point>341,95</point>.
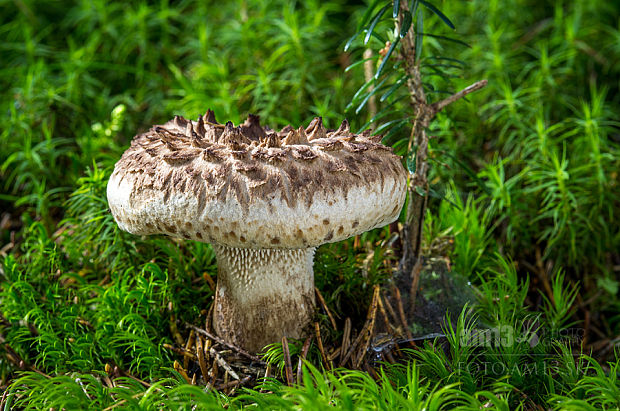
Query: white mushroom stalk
<point>265,200</point>
<point>263,294</point>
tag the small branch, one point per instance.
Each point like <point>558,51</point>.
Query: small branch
<point>201,359</point>
<point>368,75</point>
<point>188,348</point>
<point>401,312</point>
<point>389,308</point>
<point>440,105</point>
<point>232,384</point>
<point>415,280</point>
<point>324,305</point>
<point>371,326</point>
<point>346,338</point>
<point>317,330</point>
<point>386,319</point>
<point>224,343</point>
<point>353,346</point>
<point>302,357</point>
<point>181,351</point>
<point>179,368</point>
<point>288,366</point>
<point>223,363</point>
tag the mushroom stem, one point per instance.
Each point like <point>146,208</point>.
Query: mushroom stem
<point>263,295</point>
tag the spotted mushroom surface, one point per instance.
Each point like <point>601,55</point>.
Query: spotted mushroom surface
<point>253,187</point>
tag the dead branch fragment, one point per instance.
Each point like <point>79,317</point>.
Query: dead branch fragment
<point>302,357</point>
<point>346,338</point>
<point>288,366</point>
<point>218,340</point>
<point>319,340</point>
<point>201,359</point>
<point>324,305</point>
<point>223,363</point>
<point>233,384</point>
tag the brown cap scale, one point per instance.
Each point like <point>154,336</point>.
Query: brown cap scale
<point>265,200</point>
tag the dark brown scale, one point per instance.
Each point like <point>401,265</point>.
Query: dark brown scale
<point>212,154</point>
<point>252,129</point>
<point>331,145</point>
<point>303,153</point>
<point>355,147</point>
<point>180,157</point>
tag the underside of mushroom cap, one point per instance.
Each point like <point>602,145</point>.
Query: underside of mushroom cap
<point>252,187</point>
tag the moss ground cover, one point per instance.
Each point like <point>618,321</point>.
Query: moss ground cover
<point>524,197</point>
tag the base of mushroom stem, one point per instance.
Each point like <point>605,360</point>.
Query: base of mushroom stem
<point>263,295</point>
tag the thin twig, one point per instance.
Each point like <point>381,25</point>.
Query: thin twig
<point>388,324</point>
<point>440,105</point>
<point>302,357</point>
<point>209,281</point>
<point>3,399</point>
<point>329,314</point>
<point>179,368</point>
<point>319,340</point>
<point>201,358</point>
<point>224,343</point>
<point>188,347</point>
<point>390,308</point>
<point>288,366</point>
<point>354,345</point>
<point>181,351</point>
<point>373,315</point>
<point>223,363</point>
<point>401,312</point>
<point>346,338</point>
<point>175,331</point>
<point>367,326</point>
<point>214,372</point>
<point>232,384</point>
<point>122,402</point>
<point>371,371</point>
<point>14,358</point>
<point>368,74</point>
<point>415,280</point>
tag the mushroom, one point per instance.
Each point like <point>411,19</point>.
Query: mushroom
<point>265,200</point>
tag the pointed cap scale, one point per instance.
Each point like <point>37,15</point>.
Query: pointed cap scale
<point>296,137</point>
<point>251,128</point>
<point>344,129</point>
<point>316,129</point>
<point>233,135</point>
<point>209,117</point>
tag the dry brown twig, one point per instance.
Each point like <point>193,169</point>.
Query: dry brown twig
<point>386,320</point>
<point>324,305</point>
<point>401,312</point>
<point>372,314</point>
<point>353,346</point>
<point>179,368</point>
<point>302,357</point>
<point>202,363</point>
<point>233,384</point>
<point>188,347</point>
<point>181,351</point>
<point>220,360</point>
<point>288,366</point>
<point>319,340</point>
<point>218,340</point>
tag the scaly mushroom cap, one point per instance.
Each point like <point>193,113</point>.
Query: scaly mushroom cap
<point>252,187</point>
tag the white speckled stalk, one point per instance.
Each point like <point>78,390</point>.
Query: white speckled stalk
<point>263,294</point>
